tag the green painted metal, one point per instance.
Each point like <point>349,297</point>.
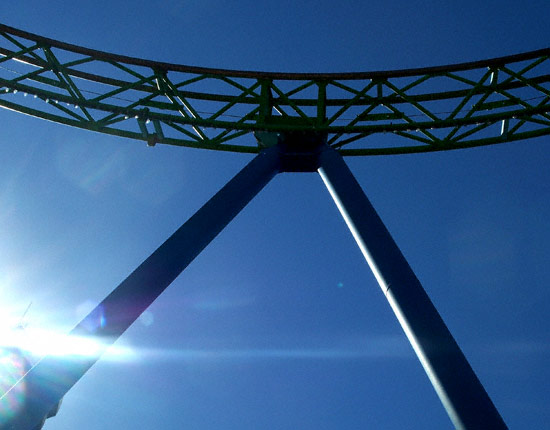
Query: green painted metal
<point>426,109</point>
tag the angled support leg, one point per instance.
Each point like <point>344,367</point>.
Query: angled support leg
<point>456,384</point>
<point>50,379</point>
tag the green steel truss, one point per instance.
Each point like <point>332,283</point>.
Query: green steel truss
<point>418,110</point>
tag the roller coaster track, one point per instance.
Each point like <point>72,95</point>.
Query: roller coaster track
<point>427,109</point>
<point>302,122</point>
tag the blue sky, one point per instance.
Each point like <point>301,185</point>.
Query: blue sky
<point>279,323</point>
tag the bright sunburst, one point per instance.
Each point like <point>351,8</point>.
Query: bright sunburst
<point>21,348</point>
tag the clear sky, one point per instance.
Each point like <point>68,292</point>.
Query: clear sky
<point>279,323</point>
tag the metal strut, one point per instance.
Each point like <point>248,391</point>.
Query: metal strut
<point>50,379</point>
<point>464,398</point>
<point>424,109</point>
<point>462,394</point>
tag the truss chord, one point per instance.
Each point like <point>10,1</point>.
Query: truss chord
<point>538,121</point>
<point>522,103</point>
<point>245,92</point>
<point>350,103</point>
<point>415,83</point>
<point>241,107</point>
<point>290,103</point>
<point>190,81</point>
<point>13,55</point>
<point>66,79</point>
<point>468,96</point>
<point>127,70</point>
<point>299,88</point>
<point>78,62</point>
<point>442,123</point>
<point>518,125</point>
<point>464,101</point>
<point>527,82</point>
<point>433,140</point>
<point>471,112</point>
<point>347,88</point>
<point>410,101</point>
<point>63,78</point>
<point>176,95</point>
<point>69,112</point>
<point>472,131</point>
<point>411,136</point>
<point>235,84</point>
<point>54,66</point>
<point>182,108</point>
<point>23,47</point>
<point>124,112</point>
<point>122,89</point>
<point>459,78</point>
<point>527,68</point>
<point>353,122</point>
<point>184,131</point>
<point>444,147</point>
<point>348,140</point>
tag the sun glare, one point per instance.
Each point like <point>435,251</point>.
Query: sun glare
<point>21,348</point>
<point>37,343</point>
<point>13,367</point>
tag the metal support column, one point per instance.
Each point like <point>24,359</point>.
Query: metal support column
<point>456,384</point>
<point>50,379</point>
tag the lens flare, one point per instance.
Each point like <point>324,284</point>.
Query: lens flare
<point>13,367</point>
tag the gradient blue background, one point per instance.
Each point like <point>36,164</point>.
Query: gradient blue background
<point>279,324</point>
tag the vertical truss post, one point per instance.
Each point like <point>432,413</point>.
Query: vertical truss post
<point>464,398</point>
<point>50,379</point>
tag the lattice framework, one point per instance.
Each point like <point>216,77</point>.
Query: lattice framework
<point>427,109</point>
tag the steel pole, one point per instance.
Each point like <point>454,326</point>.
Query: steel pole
<point>50,379</point>
<point>456,384</point>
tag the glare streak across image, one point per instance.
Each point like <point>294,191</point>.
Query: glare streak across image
<point>279,323</point>
<point>359,348</point>
<point>36,343</point>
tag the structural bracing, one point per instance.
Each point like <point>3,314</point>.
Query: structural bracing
<point>463,396</point>
<point>301,123</point>
<point>429,109</point>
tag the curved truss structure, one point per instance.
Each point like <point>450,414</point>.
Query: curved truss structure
<point>302,123</point>
<point>429,109</point>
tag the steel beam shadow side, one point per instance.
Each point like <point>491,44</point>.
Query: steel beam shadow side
<point>51,378</point>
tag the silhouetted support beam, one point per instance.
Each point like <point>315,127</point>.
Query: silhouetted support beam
<point>456,384</point>
<point>50,379</point>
